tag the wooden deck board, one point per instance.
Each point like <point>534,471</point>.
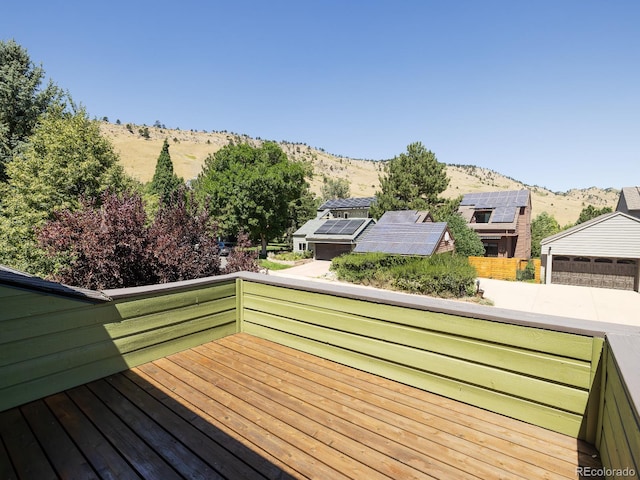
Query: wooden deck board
<point>243,407</point>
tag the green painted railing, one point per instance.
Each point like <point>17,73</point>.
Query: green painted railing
<point>576,377</point>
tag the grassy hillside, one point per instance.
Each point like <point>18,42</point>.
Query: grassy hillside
<point>189,150</point>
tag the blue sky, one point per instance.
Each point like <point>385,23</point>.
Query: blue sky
<point>546,92</point>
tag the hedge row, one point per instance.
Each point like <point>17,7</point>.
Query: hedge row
<point>443,275</point>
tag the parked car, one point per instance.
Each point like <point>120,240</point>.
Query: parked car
<point>225,249</point>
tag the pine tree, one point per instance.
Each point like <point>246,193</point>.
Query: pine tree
<point>165,182</point>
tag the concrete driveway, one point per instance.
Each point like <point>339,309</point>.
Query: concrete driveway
<point>599,304</point>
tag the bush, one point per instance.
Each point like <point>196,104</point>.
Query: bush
<point>442,275</point>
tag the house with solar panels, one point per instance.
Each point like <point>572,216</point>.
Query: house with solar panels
<point>330,237</point>
<point>347,207</point>
<point>502,220</point>
<point>407,232</point>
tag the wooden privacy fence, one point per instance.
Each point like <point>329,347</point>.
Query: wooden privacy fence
<point>503,268</point>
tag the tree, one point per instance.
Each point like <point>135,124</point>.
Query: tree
<point>251,189</point>
<point>65,158</point>
<point>108,244</point>
<point>183,241</point>
<point>22,100</point>
<point>242,258</point>
<point>543,226</point>
<point>590,212</point>
<point>165,182</point>
<point>411,181</point>
<point>467,240</point>
<point>333,188</point>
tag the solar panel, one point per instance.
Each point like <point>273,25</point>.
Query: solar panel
<point>363,202</point>
<point>339,227</point>
<point>402,239</point>
<point>484,200</point>
<point>505,214</point>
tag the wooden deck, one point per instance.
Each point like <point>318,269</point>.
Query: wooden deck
<point>242,407</point>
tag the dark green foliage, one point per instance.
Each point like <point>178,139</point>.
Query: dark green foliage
<point>65,158</point>
<point>543,226</point>
<point>467,241</point>
<point>251,189</point>
<point>411,181</point>
<point>441,275</point>
<point>590,212</point>
<point>22,100</point>
<point>165,182</point>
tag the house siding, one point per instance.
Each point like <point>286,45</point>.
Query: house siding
<point>616,237</point>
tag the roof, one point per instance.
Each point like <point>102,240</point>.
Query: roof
<point>16,278</point>
<point>631,197</point>
<point>406,216</point>
<point>339,230</point>
<point>346,203</point>
<point>309,227</point>
<point>403,238</point>
<point>589,223</point>
<point>486,200</point>
<point>503,205</point>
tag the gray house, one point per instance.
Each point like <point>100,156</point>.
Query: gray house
<point>328,238</point>
<point>603,252</point>
<point>629,201</point>
<point>348,207</point>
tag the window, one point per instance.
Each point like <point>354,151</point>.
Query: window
<point>481,216</point>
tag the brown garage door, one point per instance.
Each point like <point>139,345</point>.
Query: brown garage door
<point>595,272</point>
<point>327,251</point>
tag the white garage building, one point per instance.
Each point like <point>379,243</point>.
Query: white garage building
<point>603,252</point>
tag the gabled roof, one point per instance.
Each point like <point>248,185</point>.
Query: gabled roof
<point>347,203</point>
<point>406,216</point>
<point>629,197</point>
<point>309,227</point>
<point>16,278</point>
<point>503,206</point>
<point>589,223</point>
<point>404,238</point>
<point>338,230</point>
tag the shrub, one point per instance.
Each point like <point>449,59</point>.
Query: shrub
<point>442,275</point>
<point>109,244</point>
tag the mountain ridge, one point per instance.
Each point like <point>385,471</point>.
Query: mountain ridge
<point>139,148</point>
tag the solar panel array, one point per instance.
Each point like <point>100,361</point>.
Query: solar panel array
<point>340,227</point>
<point>364,202</point>
<point>482,200</point>
<point>400,216</point>
<point>504,214</point>
<point>402,239</point>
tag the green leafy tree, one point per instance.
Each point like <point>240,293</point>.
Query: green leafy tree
<point>165,182</point>
<point>590,212</point>
<point>251,189</point>
<point>467,241</point>
<point>66,158</point>
<point>411,181</point>
<point>333,188</point>
<point>22,100</point>
<point>543,226</point>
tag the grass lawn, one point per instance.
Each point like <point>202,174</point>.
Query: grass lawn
<point>269,265</point>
